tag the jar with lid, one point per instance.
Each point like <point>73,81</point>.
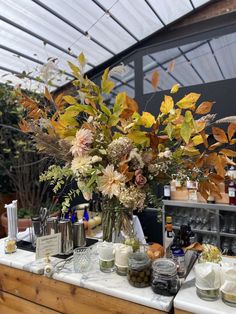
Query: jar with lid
<point>165,280</point>
<point>139,270</point>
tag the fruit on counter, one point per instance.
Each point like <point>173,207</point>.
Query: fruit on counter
<point>155,251</point>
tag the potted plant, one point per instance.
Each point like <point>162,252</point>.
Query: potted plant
<point>20,164</point>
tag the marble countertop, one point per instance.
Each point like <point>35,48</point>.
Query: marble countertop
<point>107,283</point>
<point>187,299</point>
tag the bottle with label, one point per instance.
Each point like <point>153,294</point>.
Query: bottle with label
<point>192,190</point>
<point>169,227</point>
<point>232,186</point>
<point>191,235</point>
<point>167,192</point>
<point>178,256</point>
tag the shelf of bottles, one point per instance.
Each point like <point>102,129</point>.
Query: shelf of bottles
<point>211,223</point>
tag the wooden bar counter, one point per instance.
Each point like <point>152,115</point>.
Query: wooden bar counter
<point>24,289</point>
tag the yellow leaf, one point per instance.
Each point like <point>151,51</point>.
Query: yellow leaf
<point>200,126</point>
<point>190,151</point>
<point>155,79</point>
<point>169,130</point>
<point>75,70</point>
<point>82,60</point>
<point>188,116</point>
<point>219,135</point>
<point>197,140</point>
<point>185,132</point>
<point>147,120</point>
<point>167,104</point>
<point>139,137</point>
<point>204,107</point>
<point>228,152</point>
<point>174,89</point>
<point>107,85</point>
<point>188,101</point>
<point>70,100</point>
<point>231,130</point>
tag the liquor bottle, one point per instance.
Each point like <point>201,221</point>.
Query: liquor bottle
<point>178,256</point>
<point>232,186</point>
<point>167,192</point>
<point>191,235</point>
<point>169,227</point>
<point>184,238</point>
<point>86,215</point>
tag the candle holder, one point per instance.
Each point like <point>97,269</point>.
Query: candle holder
<point>82,259</point>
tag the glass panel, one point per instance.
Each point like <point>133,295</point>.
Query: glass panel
<point>170,10</point>
<point>198,3</point>
<point>136,16</point>
<point>201,62</point>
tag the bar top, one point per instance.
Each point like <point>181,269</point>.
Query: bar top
<point>107,283</point>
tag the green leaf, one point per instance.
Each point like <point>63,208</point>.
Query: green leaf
<point>105,110</point>
<point>169,129</point>
<point>70,100</point>
<point>113,120</point>
<point>185,131</point>
<point>139,137</point>
<point>120,103</point>
<point>75,70</point>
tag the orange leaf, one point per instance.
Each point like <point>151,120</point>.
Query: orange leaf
<point>231,130</point>
<point>219,135</point>
<point>24,126</point>
<point>228,152</point>
<point>204,137</point>
<point>219,166</point>
<point>48,95</point>
<point>232,142</point>
<point>155,79</point>
<point>215,178</point>
<point>204,107</point>
<point>213,146</point>
<point>131,107</point>
<point>171,66</point>
<point>59,101</point>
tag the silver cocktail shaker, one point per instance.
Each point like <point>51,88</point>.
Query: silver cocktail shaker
<point>51,225</point>
<point>65,228</point>
<point>79,238</point>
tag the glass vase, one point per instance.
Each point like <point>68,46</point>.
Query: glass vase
<point>115,218</point>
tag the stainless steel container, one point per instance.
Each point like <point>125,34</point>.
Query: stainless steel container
<point>79,237</point>
<point>51,225</point>
<point>65,228</point>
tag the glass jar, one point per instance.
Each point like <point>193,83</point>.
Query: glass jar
<point>122,253</point>
<point>165,280</point>
<point>139,270</point>
<point>9,246</point>
<point>82,259</point>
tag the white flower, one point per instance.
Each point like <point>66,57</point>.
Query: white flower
<point>81,165</point>
<point>48,71</point>
<point>111,181</point>
<point>96,159</point>
<point>81,142</point>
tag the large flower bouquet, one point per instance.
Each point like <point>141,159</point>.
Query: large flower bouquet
<point>120,153</point>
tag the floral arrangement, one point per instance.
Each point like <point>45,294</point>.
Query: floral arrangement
<point>120,153</point>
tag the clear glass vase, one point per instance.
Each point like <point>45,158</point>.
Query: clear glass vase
<point>115,218</point>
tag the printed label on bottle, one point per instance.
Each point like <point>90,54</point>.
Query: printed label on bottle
<point>231,192</point>
<point>167,190</point>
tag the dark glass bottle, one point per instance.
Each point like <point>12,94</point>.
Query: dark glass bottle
<point>184,237</point>
<point>232,192</point>
<point>191,235</point>
<point>178,256</point>
<point>86,215</point>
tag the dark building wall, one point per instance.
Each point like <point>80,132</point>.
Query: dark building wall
<point>223,93</point>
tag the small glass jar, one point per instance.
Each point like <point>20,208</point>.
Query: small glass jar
<point>139,270</point>
<point>122,253</point>
<point>106,257</point>
<point>165,280</point>
<point>82,259</point>
<point>9,246</point>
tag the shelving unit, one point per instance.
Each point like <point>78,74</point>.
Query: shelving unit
<point>213,209</point>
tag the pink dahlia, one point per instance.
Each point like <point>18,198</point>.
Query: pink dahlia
<point>81,142</point>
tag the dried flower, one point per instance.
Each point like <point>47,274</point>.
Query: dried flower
<point>81,165</point>
<point>135,160</point>
<point>132,198</point>
<point>118,148</point>
<point>140,180</point>
<point>81,143</point>
<point>110,182</point>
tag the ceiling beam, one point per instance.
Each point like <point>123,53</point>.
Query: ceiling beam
<point>216,60</point>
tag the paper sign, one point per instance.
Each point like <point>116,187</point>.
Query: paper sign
<point>48,245</point>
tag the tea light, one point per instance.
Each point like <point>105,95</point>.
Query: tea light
<point>122,253</point>
<point>106,257</point>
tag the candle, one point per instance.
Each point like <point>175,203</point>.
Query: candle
<point>122,253</point>
<point>106,257</point>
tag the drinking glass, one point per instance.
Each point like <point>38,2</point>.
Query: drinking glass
<point>82,259</point>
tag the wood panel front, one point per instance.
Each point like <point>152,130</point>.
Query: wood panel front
<point>63,297</point>
<point>177,311</point>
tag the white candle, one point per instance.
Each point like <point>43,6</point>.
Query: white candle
<point>106,251</point>
<point>122,253</point>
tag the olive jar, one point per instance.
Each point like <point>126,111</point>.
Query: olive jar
<point>139,270</point>
<point>164,280</point>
